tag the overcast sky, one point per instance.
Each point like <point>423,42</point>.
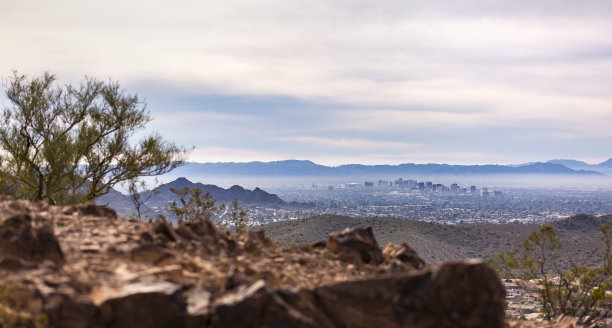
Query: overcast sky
<point>338,82</point>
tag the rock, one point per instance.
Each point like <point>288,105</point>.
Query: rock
<point>163,228</point>
<point>254,242</point>
<point>405,254</point>
<point>469,294</point>
<point>96,210</point>
<point>144,305</point>
<point>259,306</point>
<point>456,295</point>
<point>21,239</point>
<point>355,244</point>
<point>152,254</point>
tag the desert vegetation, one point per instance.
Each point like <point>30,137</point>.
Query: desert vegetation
<point>71,144</point>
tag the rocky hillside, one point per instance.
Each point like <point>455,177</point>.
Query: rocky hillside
<point>440,242</point>
<point>84,267</point>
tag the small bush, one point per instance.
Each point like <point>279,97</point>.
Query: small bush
<point>579,291</point>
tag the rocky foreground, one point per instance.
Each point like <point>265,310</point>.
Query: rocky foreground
<point>84,267</point>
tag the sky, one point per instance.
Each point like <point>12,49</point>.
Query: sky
<point>338,82</point>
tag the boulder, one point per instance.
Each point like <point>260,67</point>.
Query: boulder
<point>23,239</point>
<point>355,244</point>
<point>143,305</point>
<point>403,253</point>
<point>454,295</point>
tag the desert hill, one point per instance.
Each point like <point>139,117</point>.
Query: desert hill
<point>158,202</point>
<point>439,242</point>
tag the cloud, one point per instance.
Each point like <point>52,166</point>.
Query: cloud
<point>342,75</point>
<point>361,144</point>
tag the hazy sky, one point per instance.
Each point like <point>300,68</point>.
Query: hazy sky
<point>345,81</point>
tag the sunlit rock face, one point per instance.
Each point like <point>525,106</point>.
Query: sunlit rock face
<point>84,267</point>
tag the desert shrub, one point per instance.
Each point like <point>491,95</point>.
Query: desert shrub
<point>192,204</point>
<point>72,144</point>
<point>578,291</point>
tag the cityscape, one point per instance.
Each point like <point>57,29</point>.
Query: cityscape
<point>434,202</point>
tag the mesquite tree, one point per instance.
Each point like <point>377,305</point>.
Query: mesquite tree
<point>71,144</point>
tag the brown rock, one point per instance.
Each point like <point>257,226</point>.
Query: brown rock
<point>144,305</point>
<point>96,210</point>
<point>254,242</point>
<point>152,254</point>
<point>259,306</point>
<point>21,239</point>
<point>456,295</point>
<point>405,254</point>
<point>356,244</point>
<point>163,228</point>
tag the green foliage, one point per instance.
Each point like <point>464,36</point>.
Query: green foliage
<point>193,205</point>
<point>578,291</point>
<point>238,218</point>
<point>71,144</point>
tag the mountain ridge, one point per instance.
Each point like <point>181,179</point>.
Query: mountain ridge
<point>157,203</point>
<point>304,168</point>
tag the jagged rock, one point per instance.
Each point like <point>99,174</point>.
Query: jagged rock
<point>96,210</point>
<point>253,242</point>
<point>355,243</point>
<point>405,254</point>
<point>455,295</point>
<point>258,306</point>
<point>144,305</point>
<point>22,238</point>
<point>163,228</point>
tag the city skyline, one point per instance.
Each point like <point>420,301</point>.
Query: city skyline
<point>340,82</point>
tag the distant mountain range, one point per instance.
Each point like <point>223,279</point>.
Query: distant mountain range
<point>158,202</point>
<point>299,168</point>
<point>580,165</point>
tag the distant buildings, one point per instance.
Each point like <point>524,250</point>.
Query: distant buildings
<point>384,183</point>
<point>425,187</point>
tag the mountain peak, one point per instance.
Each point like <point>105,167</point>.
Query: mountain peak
<point>607,163</point>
